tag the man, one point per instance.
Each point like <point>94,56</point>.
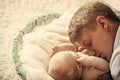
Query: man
<point>95,27</point>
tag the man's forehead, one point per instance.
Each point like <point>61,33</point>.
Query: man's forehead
<point>80,39</point>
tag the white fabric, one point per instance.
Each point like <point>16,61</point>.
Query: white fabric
<point>115,60</point>
<point>117,39</point>
<point>37,45</point>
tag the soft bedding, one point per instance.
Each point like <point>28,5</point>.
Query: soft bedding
<point>37,45</point>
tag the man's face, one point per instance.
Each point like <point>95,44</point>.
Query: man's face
<point>97,42</point>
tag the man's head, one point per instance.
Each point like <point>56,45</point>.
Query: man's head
<point>63,66</point>
<point>94,27</point>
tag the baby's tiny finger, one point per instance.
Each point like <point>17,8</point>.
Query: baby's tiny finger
<point>78,60</point>
<point>78,56</point>
<point>51,54</point>
<point>80,49</point>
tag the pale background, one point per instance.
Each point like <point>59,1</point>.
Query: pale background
<point>14,14</point>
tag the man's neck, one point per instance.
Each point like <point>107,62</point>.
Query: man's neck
<point>113,30</point>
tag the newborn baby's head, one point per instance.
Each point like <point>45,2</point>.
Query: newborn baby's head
<point>63,66</point>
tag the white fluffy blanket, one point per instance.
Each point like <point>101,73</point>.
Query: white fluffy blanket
<point>37,45</point>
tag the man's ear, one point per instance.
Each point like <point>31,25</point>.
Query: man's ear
<point>102,22</point>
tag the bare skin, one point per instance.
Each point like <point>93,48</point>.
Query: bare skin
<point>64,47</point>
<point>99,64</point>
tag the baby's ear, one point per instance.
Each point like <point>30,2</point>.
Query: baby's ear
<point>79,68</point>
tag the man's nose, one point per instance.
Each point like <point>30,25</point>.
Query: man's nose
<point>91,52</point>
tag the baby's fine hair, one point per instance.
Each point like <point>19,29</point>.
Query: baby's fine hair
<point>63,66</point>
<point>86,16</point>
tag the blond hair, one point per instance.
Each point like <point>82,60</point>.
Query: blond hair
<point>86,16</point>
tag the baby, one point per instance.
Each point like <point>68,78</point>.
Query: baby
<point>63,65</point>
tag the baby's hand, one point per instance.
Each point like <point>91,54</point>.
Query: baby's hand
<point>64,47</point>
<point>84,59</point>
<point>55,50</point>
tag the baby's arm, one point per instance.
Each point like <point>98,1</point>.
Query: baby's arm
<point>99,63</point>
<point>64,47</point>
<point>96,62</point>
